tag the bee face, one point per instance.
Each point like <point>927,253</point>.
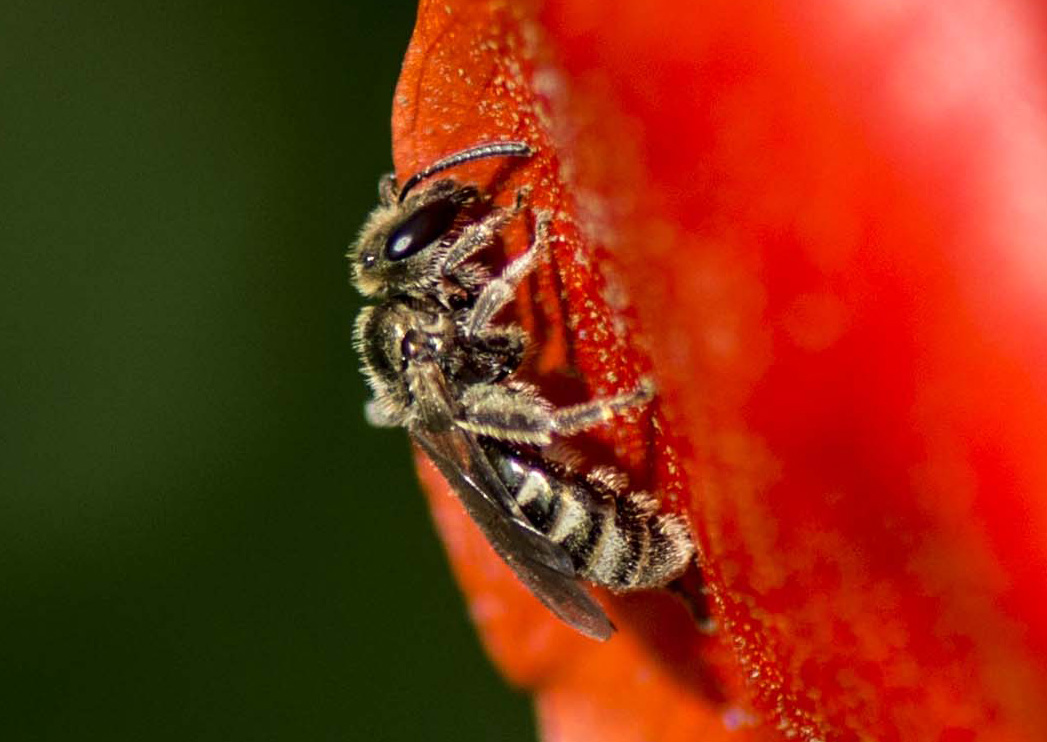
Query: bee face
<point>400,245</point>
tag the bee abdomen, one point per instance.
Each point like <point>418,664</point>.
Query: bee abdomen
<point>615,538</point>
<point>554,508</point>
<point>639,547</point>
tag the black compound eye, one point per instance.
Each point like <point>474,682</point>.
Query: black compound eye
<point>424,227</point>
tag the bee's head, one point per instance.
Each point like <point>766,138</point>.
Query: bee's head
<point>394,252</point>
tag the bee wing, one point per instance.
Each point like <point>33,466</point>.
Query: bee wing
<point>541,564</point>
<point>465,467</point>
<point>536,560</point>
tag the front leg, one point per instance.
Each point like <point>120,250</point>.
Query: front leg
<point>501,290</point>
<point>479,234</point>
<point>473,239</point>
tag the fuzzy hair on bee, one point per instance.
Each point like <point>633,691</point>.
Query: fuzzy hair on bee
<point>439,365</point>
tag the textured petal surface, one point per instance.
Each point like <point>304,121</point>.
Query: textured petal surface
<point>821,226</point>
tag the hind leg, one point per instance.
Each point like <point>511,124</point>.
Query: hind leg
<point>568,421</point>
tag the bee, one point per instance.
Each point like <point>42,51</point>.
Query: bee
<point>440,366</point>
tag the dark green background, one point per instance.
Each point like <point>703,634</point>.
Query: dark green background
<point>199,537</point>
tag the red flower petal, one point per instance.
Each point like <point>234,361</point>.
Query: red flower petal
<point>821,226</point>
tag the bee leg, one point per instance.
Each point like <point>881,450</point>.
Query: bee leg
<point>523,416</point>
<point>568,421</point>
<point>690,590</point>
<point>473,239</point>
<point>501,290</point>
<point>478,235</point>
<point>512,415</point>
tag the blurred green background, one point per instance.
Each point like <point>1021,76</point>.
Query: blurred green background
<point>200,539</point>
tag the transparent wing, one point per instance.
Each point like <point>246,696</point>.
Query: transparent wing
<point>536,560</point>
<point>541,564</point>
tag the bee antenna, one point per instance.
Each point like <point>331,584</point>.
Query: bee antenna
<point>493,149</point>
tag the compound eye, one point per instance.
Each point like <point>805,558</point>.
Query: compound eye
<point>424,227</point>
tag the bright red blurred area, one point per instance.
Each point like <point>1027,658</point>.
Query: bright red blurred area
<point>822,227</point>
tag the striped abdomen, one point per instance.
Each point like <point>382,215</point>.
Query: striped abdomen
<point>615,538</point>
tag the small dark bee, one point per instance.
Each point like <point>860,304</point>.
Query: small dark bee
<point>440,367</point>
